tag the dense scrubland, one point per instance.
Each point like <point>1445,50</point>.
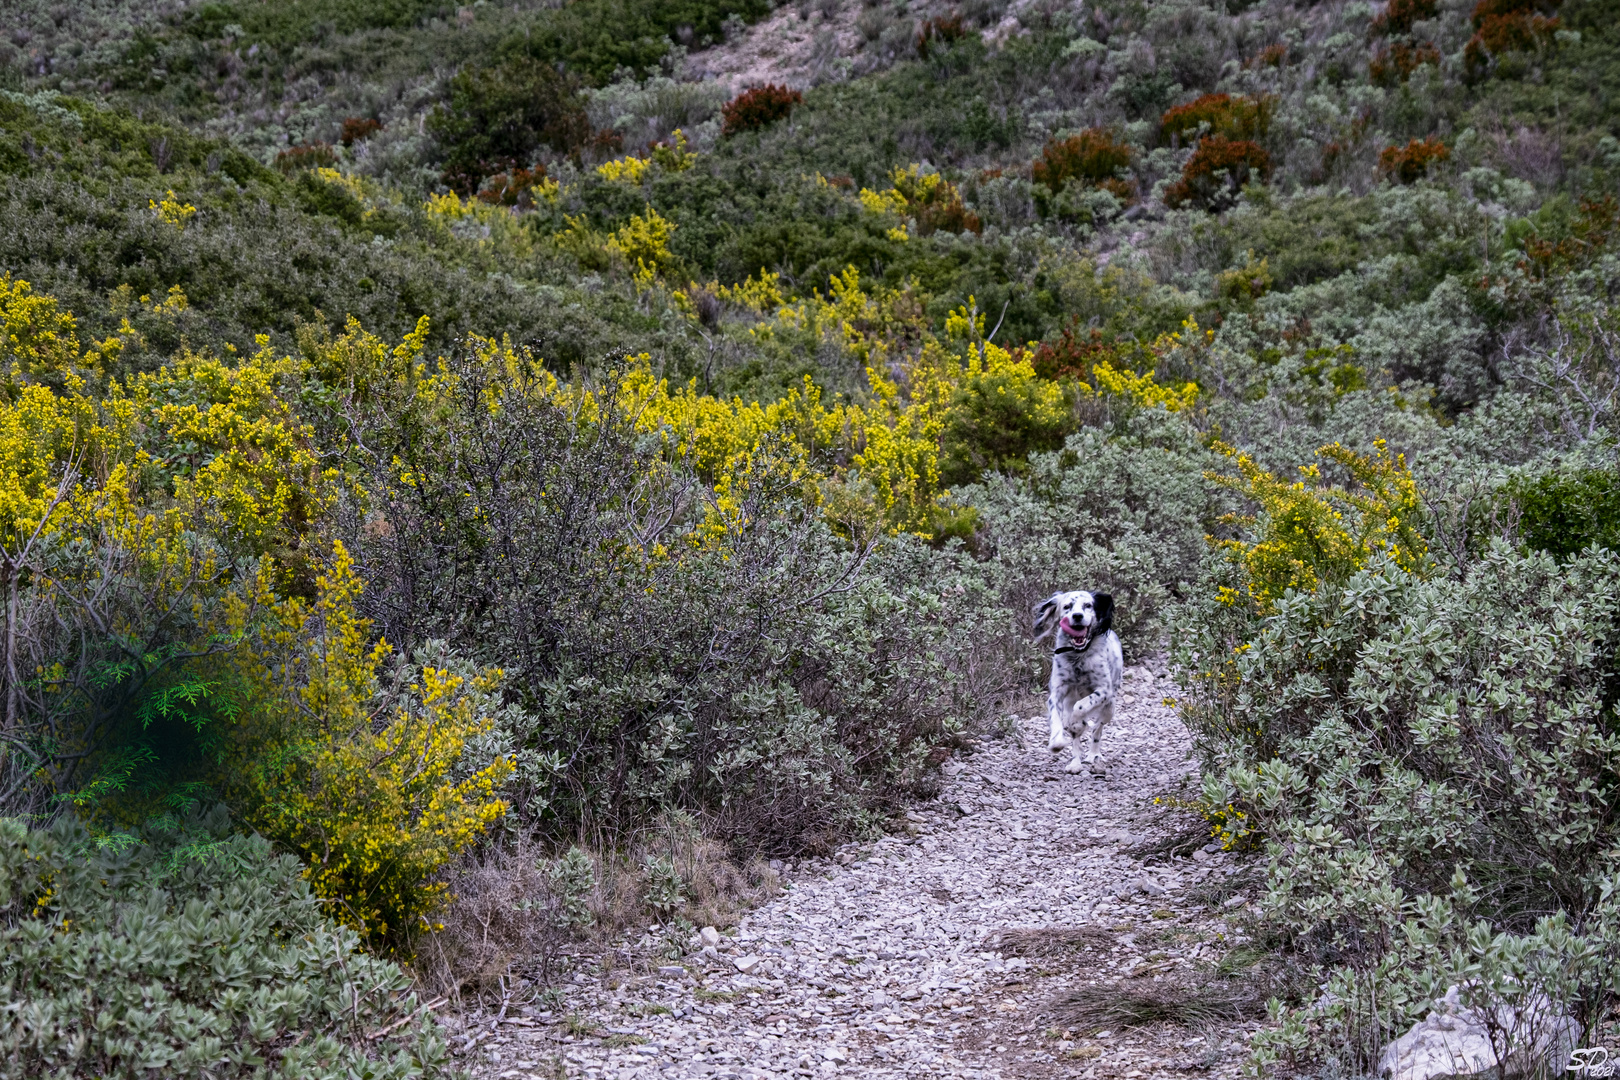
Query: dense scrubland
<point>465,470</point>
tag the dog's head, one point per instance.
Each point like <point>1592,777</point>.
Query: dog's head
<point>1078,617</point>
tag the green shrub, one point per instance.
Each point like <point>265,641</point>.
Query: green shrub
<point>498,118</point>
<point>997,419</point>
<point>1431,762</point>
<point>1123,512</point>
<point>596,38</point>
<point>1564,513</point>
<point>195,954</point>
<point>653,670</point>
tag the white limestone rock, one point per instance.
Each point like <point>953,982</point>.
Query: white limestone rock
<point>1454,1042</point>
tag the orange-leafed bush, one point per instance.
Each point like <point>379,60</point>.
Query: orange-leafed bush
<point>358,129</point>
<point>1217,171</point>
<point>758,107</point>
<point>1233,117</point>
<point>1399,16</point>
<point>1593,232</point>
<point>1271,56</point>
<point>1504,26</point>
<point>936,207</point>
<point>1094,156</point>
<point>306,156</point>
<point>941,31</point>
<point>1395,63</point>
<point>515,188</point>
<point>1072,356</point>
<point>1410,163</point>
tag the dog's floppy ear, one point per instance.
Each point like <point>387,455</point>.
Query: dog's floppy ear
<point>1046,616</point>
<point>1103,605</point>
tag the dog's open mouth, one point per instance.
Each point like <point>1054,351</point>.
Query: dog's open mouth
<point>1079,634</point>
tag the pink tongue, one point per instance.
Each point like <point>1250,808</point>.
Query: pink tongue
<point>1068,628</point>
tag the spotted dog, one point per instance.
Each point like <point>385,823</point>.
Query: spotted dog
<point>1087,670</point>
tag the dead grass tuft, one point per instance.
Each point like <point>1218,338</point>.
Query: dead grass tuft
<point>1141,1002</point>
<point>1184,841</point>
<point>507,926</point>
<point>1054,941</point>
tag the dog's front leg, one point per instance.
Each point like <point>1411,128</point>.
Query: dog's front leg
<point>1059,737</point>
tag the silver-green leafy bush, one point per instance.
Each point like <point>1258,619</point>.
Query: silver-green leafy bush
<point>200,955</point>
<point>1431,762</point>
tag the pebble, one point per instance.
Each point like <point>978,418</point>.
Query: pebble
<point>881,962</point>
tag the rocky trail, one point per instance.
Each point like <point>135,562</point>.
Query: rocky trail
<point>948,950</point>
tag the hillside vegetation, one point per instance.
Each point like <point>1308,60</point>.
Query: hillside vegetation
<point>437,435</point>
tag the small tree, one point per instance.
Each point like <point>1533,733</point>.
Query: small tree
<point>497,118</point>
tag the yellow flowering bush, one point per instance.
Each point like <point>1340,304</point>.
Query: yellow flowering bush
<point>365,781</point>
<point>171,211</point>
<point>643,243</point>
<point>760,294</point>
<point>39,341</point>
<point>1310,531</point>
<point>625,170</point>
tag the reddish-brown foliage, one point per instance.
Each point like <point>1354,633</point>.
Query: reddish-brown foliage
<point>1502,26</point>
<point>358,129</point>
<point>1094,156</point>
<point>1071,356</point>
<point>1233,117</point>
<point>1399,16</point>
<point>1270,56</point>
<point>1395,63</point>
<point>1594,231</point>
<point>1332,154</point>
<point>757,108</point>
<point>306,156</point>
<point>936,206</point>
<point>1217,171</point>
<point>605,143</point>
<point>942,31</point>
<point>513,188</point>
<point>1410,163</point>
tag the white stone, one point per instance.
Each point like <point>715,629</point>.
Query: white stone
<point>1454,1042</point>
<point>746,964</point>
<point>710,936</point>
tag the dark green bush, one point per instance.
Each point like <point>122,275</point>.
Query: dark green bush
<point>1122,511</point>
<point>195,954</point>
<point>1564,513</point>
<point>497,118</point>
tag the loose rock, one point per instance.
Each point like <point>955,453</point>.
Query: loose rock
<point>886,961</point>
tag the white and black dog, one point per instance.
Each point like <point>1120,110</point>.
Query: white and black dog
<point>1087,670</point>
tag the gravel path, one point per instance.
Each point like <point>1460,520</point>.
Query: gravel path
<point>903,958</point>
